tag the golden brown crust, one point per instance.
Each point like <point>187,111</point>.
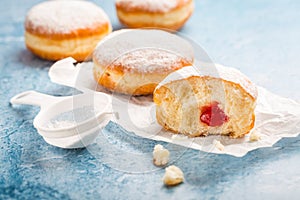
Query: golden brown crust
<point>59,29</point>
<point>97,29</point>
<point>141,17</point>
<point>145,89</point>
<point>80,48</point>
<point>112,79</point>
<point>126,6</point>
<point>126,75</point>
<point>58,55</point>
<point>175,26</point>
<point>104,78</point>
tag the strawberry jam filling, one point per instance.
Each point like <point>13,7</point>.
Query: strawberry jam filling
<point>213,115</point>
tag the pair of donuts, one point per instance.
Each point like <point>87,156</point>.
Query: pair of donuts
<point>194,101</point>
<point>59,29</point>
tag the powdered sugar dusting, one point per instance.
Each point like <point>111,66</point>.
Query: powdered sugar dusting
<point>149,5</point>
<point>150,60</point>
<point>213,70</point>
<point>63,17</point>
<point>60,124</point>
<point>143,50</point>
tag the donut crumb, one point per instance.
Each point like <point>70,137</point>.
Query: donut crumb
<point>218,145</point>
<point>254,137</point>
<point>160,155</point>
<point>173,176</point>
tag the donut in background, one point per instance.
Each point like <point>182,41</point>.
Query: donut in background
<point>164,14</point>
<point>59,29</point>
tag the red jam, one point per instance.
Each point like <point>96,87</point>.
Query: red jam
<point>213,115</point>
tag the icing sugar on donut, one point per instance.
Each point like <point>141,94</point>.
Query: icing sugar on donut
<point>150,60</point>
<point>51,17</point>
<point>150,5</point>
<point>139,50</point>
<point>135,61</point>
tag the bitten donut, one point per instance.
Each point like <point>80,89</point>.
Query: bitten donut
<point>168,14</point>
<point>202,102</point>
<point>137,72</point>
<point>59,29</point>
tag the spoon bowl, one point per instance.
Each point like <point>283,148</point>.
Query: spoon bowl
<point>68,122</point>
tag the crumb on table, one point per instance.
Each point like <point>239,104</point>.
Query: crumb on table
<point>160,155</point>
<point>173,176</point>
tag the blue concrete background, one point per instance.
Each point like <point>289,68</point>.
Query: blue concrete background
<point>260,37</point>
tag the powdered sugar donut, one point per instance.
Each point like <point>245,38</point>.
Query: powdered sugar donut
<point>138,72</point>
<point>135,61</point>
<point>169,14</point>
<point>59,29</point>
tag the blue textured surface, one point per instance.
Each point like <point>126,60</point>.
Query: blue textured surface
<point>261,38</point>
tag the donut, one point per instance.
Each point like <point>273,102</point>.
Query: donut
<point>164,14</point>
<point>218,100</point>
<point>134,61</point>
<point>59,29</point>
<point>138,72</point>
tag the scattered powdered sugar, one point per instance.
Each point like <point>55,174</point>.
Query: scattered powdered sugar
<point>179,137</point>
<point>149,60</point>
<point>149,5</point>
<point>58,124</point>
<point>71,118</point>
<point>63,17</point>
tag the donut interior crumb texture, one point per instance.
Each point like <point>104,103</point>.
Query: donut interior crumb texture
<point>226,97</point>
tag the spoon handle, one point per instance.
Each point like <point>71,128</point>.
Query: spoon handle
<point>33,98</point>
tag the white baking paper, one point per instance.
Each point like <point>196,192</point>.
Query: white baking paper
<point>276,117</point>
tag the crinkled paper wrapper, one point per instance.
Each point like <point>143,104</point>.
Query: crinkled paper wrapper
<point>276,117</point>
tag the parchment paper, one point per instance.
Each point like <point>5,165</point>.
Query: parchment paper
<point>276,117</point>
